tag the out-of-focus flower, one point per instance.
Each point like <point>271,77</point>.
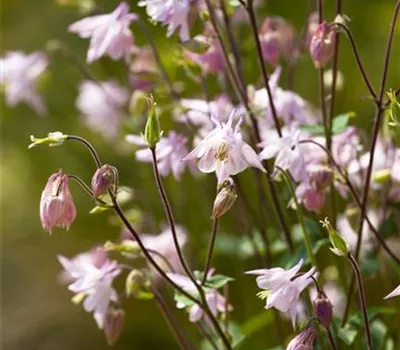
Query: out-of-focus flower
<point>312,198</point>
<point>312,25</point>
<point>143,70</point>
<point>346,146</point>
<point>93,284</point>
<point>102,180</point>
<point>19,74</point>
<point>395,293</point>
<point>101,105</point>
<point>303,341</point>
<point>198,112</point>
<point>216,302</point>
<point>224,151</point>
<point>57,208</point>
<point>322,45</point>
<point>109,34</point>
<point>328,79</point>
<point>289,106</point>
<point>283,288</point>
<point>173,13</point>
<point>170,151</point>
<point>289,155</point>
<point>276,38</point>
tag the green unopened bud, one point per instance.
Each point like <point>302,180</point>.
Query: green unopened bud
<point>125,247</point>
<point>381,176</point>
<point>394,109</point>
<point>195,46</point>
<point>137,284</point>
<point>138,103</point>
<point>225,199</point>
<point>53,139</point>
<point>340,245</point>
<point>152,132</point>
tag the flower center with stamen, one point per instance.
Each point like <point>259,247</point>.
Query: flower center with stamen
<point>222,151</point>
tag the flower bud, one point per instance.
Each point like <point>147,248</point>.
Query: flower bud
<point>312,25</point>
<point>136,284</point>
<point>322,45</point>
<point>152,131</point>
<point>53,139</point>
<point>224,200</point>
<point>276,38</point>
<point>340,245</point>
<point>304,340</point>
<point>57,207</point>
<point>138,103</point>
<point>114,324</point>
<point>103,180</point>
<point>322,177</point>
<point>323,309</point>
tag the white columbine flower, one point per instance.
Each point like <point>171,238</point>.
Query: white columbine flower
<point>19,74</point>
<point>93,283</point>
<point>216,302</point>
<point>224,151</point>
<point>109,34</point>
<point>395,293</point>
<point>173,13</point>
<point>170,151</point>
<point>101,105</point>
<point>283,288</point>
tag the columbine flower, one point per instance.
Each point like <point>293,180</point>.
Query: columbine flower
<point>289,154</point>
<point>19,74</point>
<point>93,284</point>
<point>170,151</point>
<point>276,38</point>
<point>289,106</point>
<point>282,288</point>
<point>312,198</point>
<point>103,180</point>
<point>143,70</point>
<point>395,293</point>
<point>57,207</point>
<point>322,45</point>
<point>173,13</point>
<point>224,151</point>
<point>304,340</point>
<point>216,302</point>
<point>101,106</point>
<point>109,34</point>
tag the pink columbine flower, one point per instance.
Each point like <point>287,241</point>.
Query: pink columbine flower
<point>93,284</point>
<point>312,198</point>
<point>170,151</point>
<point>57,208</point>
<point>173,13</point>
<point>224,151</point>
<point>395,293</point>
<point>289,106</point>
<point>304,340</point>
<point>216,302</point>
<point>283,289</point>
<point>19,74</point>
<point>322,45</point>
<point>101,106</point>
<point>289,154</point>
<point>109,34</point>
<point>277,39</point>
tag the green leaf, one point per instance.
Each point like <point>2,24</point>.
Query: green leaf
<point>388,227</point>
<point>348,334</point>
<point>218,281</point>
<point>183,300</point>
<point>340,122</point>
<point>144,295</point>
<point>313,129</point>
<point>378,332</point>
<point>99,209</point>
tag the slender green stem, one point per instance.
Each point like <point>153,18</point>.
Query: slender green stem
<point>330,338</point>
<point>300,217</point>
<point>211,245</point>
<point>183,341</point>
<point>363,303</point>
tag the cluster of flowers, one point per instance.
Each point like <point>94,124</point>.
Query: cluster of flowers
<point>287,129</point>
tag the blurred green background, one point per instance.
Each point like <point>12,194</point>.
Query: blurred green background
<point>37,312</point>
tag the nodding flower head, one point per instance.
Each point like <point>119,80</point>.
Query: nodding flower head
<point>322,45</point>
<point>304,340</point>
<point>57,207</point>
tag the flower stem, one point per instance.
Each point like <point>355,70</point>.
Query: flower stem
<point>330,338</point>
<point>300,217</point>
<point>182,340</point>
<point>363,303</point>
<point>211,245</point>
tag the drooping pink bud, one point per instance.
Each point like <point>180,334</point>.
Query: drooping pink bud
<point>225,199</point>
<point>322,177</point>
<point>57,207</point>
<point>114,324</point>
<point>323,309</point>
<point>277,39</point>
<point>304,340</point>
<point>322,45</point>
<point>312,199</point>
<point>102,180</point>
